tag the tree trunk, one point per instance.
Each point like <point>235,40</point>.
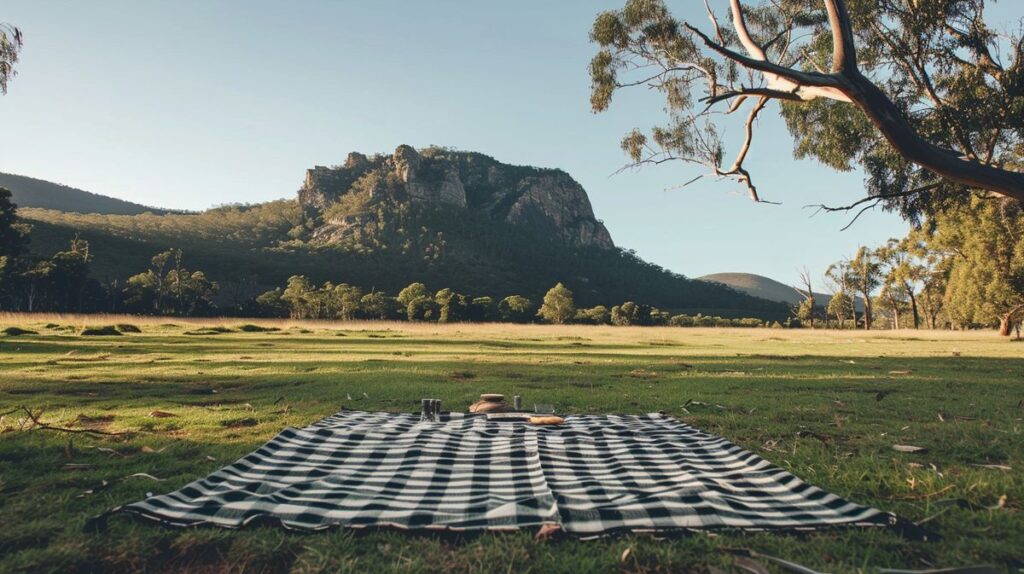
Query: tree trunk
<point>895,312</point>
<point>1010,319</point>
<point>867,312</point>
<point>913,307</point>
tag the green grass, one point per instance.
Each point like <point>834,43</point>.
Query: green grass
<point>826,406</point>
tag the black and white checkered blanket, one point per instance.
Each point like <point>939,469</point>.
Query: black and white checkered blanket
<point>592,475</point>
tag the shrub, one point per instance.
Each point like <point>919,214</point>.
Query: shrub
<point>209,331</point>
<point>128,328</point>
<point>15,331</point>
<point>250,328</point>
<point>104,331</point>
<point>681,321</point>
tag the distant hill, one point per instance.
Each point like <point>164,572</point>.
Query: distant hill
<point>31,192</point>
<point>449,219</point>
<point>763,287</point>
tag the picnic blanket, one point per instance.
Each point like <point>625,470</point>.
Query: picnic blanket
<point>591,475</point>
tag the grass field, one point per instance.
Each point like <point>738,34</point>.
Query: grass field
<point>827,406</point>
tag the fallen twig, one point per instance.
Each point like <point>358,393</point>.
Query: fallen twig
<point>145,475</point>
<point>39,425</point>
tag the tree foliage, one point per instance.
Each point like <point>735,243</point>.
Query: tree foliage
<point>558,306</point>
<point>168,288</point>
<point>515,309</point>
<point>13,245</point>
<point>926,97</point>
<point>11,42</point>
<point>964,268</point>
<point>984,247</point>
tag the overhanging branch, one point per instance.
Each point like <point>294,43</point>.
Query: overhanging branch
<point>806,85</point>
<point>746,92</point>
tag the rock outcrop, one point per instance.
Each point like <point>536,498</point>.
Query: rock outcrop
<point>547,201</point>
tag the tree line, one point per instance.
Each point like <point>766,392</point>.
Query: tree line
<point>303,299</point>
<point>62,282</point>
<point>963,268</point>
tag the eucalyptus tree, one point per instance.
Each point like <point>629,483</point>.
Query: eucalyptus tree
<point>897,289</point>
<point>865,272</point>
<point>515,309</point>
<point>301,298</point>
<point>805,309</point>
<point>558,306</point>
<point>925,96</point>
<point>839,306</point>
<point>11,42</point>
<point>984,247</point>
<point>839,278</point>
<point>345,301</point>
<point>931,270</point>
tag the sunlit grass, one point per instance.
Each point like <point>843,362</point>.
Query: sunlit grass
<point>825,405</point>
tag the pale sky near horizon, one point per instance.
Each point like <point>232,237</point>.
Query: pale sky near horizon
<point>192,103</point>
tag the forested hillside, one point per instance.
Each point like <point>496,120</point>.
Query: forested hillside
<point>31,192</point>
<point>248,249</point>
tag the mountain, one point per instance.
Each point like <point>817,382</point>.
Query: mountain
<point>548,201</point>
<point>766,288</point>
<point>31,192</point>
<point>447,218</point>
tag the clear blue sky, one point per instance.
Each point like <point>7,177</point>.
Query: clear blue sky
<point>192,103</point>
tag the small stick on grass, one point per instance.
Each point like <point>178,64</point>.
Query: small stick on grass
<point>39,425</point>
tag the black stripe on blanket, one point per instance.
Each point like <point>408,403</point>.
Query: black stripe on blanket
<point>592,475</point>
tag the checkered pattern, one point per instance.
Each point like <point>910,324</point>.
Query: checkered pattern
<point>592,475</point>
<point>652,472</point>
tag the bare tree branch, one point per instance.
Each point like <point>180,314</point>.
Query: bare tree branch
<point>744,92</point>
<point>37,424</point>
<point>737,166</point>
<point>808,85</point>
<point>844,54</point>
<point>907,193</point>
<point>746,40</point>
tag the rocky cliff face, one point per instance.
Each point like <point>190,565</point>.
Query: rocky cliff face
<point>547,201</point>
